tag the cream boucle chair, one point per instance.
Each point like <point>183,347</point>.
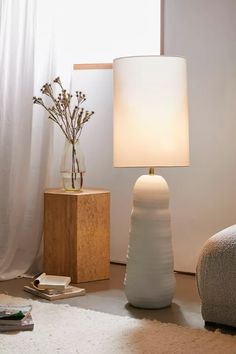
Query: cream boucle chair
<point>216,278</point>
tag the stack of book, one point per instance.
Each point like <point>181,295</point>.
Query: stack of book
<point>16,318</point>
<point>53,287</point>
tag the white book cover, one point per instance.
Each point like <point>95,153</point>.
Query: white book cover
<point>45,281</point>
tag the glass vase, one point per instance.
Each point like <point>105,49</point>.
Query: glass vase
<point>72,167</point>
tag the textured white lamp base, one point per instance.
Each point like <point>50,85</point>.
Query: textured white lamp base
<point>149,280</point>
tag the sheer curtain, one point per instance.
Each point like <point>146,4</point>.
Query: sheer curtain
<point>39,40</point>
<point>28,58</point>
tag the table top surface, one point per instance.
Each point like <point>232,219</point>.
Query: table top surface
<point>84,191</point>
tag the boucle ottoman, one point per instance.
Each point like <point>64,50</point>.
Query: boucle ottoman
<point>216,278</point>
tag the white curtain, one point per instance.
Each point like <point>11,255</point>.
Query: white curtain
<point>39,40</point>
<point>29,52</point>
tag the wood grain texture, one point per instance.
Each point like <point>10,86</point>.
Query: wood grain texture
<point>76,234</point>
<point>93,66</point>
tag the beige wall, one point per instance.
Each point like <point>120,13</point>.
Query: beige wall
<point>142,37</point>
<point>203,196</point>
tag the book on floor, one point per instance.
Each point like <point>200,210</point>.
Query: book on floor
<point>26,325</point>
<point>70,291</point>
<point>45,281</point>
<point>15,318</point>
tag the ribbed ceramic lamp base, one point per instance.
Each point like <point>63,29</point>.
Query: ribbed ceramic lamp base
<point>149,280</point>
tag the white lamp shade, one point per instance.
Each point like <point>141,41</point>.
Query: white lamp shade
<point>150,112</point>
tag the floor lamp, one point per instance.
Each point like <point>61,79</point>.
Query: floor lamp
<point>150,130</point>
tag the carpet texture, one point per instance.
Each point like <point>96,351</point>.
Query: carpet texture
<point>65,329</point>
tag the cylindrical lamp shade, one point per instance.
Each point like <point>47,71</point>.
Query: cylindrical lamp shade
<point>150,112</point>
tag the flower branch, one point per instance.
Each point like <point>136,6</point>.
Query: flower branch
<point>70,119</point>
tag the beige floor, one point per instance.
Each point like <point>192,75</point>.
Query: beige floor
<point>108,296</point>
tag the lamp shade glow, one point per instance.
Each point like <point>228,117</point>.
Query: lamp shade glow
<point>150,112</point>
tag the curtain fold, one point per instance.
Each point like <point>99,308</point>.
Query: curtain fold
<point>39,40</point>
<point>28,59</point>
<point>16,86</point>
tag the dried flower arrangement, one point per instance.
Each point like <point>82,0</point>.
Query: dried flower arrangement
<point>70,120</point>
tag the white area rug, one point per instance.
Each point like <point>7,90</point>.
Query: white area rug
<point>65,329</point>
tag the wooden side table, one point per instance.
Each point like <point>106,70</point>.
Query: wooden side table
<point>76,234</point>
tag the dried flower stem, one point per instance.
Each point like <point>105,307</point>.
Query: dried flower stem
<point>71,121</point>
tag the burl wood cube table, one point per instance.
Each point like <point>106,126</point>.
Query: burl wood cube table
<point>76,234</point>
